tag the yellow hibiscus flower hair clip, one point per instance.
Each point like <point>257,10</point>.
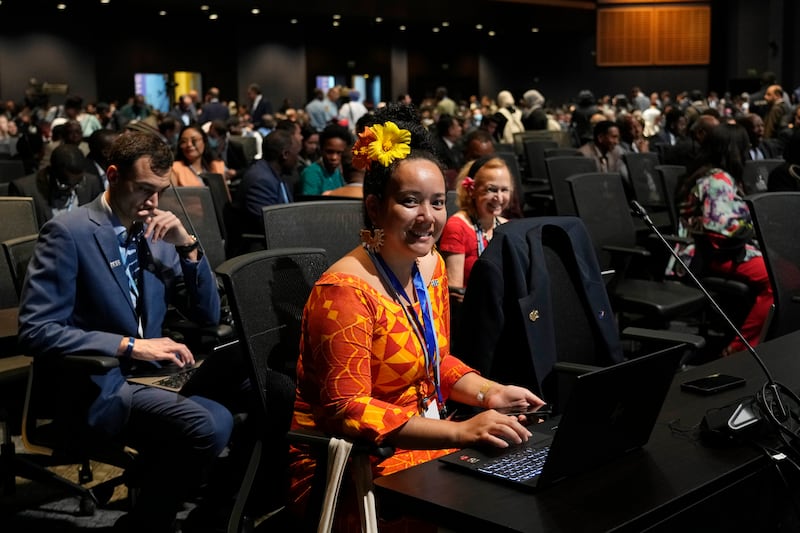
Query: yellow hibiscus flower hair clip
<point>384,143</point>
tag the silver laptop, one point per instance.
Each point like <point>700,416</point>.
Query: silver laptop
<point>610,412</point>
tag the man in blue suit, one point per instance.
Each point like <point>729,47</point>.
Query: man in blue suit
<point>81,297</point>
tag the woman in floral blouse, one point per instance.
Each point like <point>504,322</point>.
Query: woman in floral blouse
<point>711,203</point>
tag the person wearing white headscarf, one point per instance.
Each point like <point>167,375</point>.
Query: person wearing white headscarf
<point>513,116</point>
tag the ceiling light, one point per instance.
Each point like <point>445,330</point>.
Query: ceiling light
<point>62,7</point>
<point>492,33</point>
<point>204,8</point>
<point>335,23</point>
<point>337,17</point>
<point>445,24</point>
<point>293,21</point>
<point>402,27</point>
<point>213,16</point>
<point>378,19</point>
<point>478,26</point>
<point>435,29</point>
<point>535,30</point>
<point>162,13</point>
<point>255,11</point>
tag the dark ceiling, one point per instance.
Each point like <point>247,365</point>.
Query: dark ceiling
<point>502,16</point>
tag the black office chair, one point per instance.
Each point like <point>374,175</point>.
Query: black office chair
<point>538,314</point>
<point>557,151</point>
<point>534,152</point>
<point>18,253</point>
<point>756,173</point>
<point>668,177</point>
<point>195,208</point>
<point>559,168</point>
<point>19,217</point>
<point>645,185</point>
<point>11,169</point>
<point>635,292</point>
<point>52,439</point>
<point>268,291</point>
<point>220,197</point>
<point>332,225</point>
<point>775,218</point>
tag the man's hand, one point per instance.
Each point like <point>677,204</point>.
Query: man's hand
<point>161,349</point>
<point>166,226</point>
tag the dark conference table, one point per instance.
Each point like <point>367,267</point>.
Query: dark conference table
<point>675,481</point>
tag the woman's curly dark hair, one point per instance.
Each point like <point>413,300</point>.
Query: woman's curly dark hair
<point>377,176</point>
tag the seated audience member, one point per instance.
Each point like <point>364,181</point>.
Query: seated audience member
<point>605,149</point>
<point>195,156</point>
<point>74,303</point>
<point>309,148</point>
<point>482,197</point>
<point>449,140</point>
<point>687,152</point>
<point>506,106</point>
<point>326,174</point>
<point>374,362</point>
<point>354,178</point>
<point>264,183</point>
<point>760,148</point>
<point>786,176</point>
<point>231,153</point>
<point>710,201</point>
<point>631,134</point>
<point>59,187</point>
<point>100,142</point>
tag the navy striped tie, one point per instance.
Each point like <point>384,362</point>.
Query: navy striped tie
<point>131,260</point>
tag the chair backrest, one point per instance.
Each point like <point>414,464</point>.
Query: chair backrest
<point>18,253</point>
<point>19,217</point>
<point>559,168</point>
<point>219,195</point>
<point>775,218</point>
<point>536,135</point>
<point>643,176</point>
<point>333,226</point>
<point>195,207</point>
<point>534,150</point>
<point>11,169</point>
<point>668,176</point>
<point>248,145</point>
<point>451,202</point>
<point>561,150</point>
<point>267,291</point>
<point>601,203</point>
<point>756,172</point>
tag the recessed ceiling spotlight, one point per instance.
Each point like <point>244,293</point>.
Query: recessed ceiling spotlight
<point>101,1</point>
<point>293,21</point>
<point>378,19</point>
<point>445,24</point>
<point>255,11</point>
<point>62,7</point>
<point>213,16</point>
<point>204,8</point>
<point>336,23</point>
<point>478,26</point>
<point>535,30</point>
<point>492,33</point>
<point>402,27</point>
<point>162,13</point>
<point>337,17</point>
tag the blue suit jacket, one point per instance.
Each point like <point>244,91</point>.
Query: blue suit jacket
<point>76,300</point>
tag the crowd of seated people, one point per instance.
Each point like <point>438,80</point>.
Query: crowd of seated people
<point>302,152</point>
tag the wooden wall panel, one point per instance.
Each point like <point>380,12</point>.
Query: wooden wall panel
<point>640,36</point>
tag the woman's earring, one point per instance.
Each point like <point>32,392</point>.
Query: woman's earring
<point>372,239</point>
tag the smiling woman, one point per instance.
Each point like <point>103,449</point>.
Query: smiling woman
<point>375,362</point>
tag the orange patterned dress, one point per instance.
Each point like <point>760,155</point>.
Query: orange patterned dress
<point>362,369</point>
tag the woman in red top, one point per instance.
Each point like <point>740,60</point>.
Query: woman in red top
<point>482,196</point>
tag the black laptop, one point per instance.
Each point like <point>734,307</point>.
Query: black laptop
<point>610,412</point>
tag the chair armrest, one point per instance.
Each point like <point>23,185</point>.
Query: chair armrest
<point>641,252</point>
<point>696,342</point>
<point>318,439</point>
<point>86,364</point>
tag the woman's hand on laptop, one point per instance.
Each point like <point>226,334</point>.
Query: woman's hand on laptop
<point>512,397</point>
<point>495,429</point>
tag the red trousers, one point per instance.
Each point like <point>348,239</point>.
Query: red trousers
<point>754,274</point>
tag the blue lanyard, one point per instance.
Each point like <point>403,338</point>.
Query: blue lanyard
<point>480,235</point>
<point>425,330</point>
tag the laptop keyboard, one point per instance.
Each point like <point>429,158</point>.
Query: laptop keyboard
<point>178,380</point>
<point>519,465</point>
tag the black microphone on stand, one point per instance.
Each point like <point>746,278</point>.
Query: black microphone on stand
<point>768,400</point>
